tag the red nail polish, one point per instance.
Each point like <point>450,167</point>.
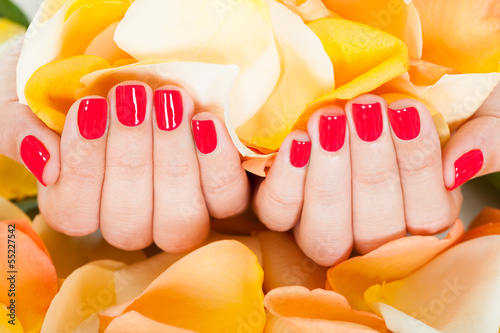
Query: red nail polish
<point>204,135</point>
<point>405,123</point>
<point>467,166</point>
<point>299,153</point>
<point>93,118</point>
<point>332,132</point>
<point>368,121</point>
<point>35,156</point>
<point>131,102</point>
<point>169,109</point>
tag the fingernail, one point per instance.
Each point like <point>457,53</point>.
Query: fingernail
<point>467,166</point>
<point>405,123</point>
<point>332,132</point>
<point>93,118</point>
<point>131,104</point>
<point>204,135</point>
<point>368,121</point>
<point>299,153</point>
<point>35,156</point>
<point>169,109</point>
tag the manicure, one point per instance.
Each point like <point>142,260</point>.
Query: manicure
<point>405,123</point>
<point>35,156</point>
<point>131,104</point>
<point>332,132</point>
<point>204,135</point>
<point>467,166</point>
<point>368,121</point>
<point>169,109</point>
<point>300,153</point>
<point>93,118</point>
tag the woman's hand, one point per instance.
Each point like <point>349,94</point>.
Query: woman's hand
<point>128,164</point>
<point>360,177</point>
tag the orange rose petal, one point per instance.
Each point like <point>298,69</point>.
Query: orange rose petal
<point>423,73</point>
<point>216,288</point>
<point>134,322</point>
<point>392,261</point>
<point>105,47</point>
<point>397,17</point>
<point>462,34</point>
<point>286,265</point>
<point>318,311</point>
<point>36,278</point>
<point>487,215</point>
<point>258,165</point>
<point>51,90</point>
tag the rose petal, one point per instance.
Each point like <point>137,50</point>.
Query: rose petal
<point>307,74</point>
<point>87,290</point>
<point>8,31</point>
<point>364,59</point>
<point>486,216</point>
<point>105,47</point>
<point>486,223</point>
<point>423,73</point>
<point>464,295</point>
<point>134,322</point>
<point>36,279</point>
<point>16,182</point>
<point>7,324</point>
<point>69,253</point>
<point>462,34</point>
<point>392,261</point>
<point>216,32</point>
<point>318,310</point>
<point>400,18</point>
<point>9,211</point>
<point>308,10</point>
<point>286,265</point>
<point>216,288</point>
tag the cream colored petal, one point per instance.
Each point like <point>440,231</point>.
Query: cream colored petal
<point>457,292</point>
<point>210,31</point>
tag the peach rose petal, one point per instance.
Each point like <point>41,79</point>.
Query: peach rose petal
<point>423,73</point>
<point>216,288</point>
<point>304,61</point>
<point>392,261</point>
<point>35,280</point>
<point>69,253</point>
<point>134,322</point>
<point>464,295</point>
<point>462,34</point>
<point>89,289</point>
<point>486,216</point>
<point>216,32</point>
<point>9,211</point>
<point>400,18</point>
<point>105,47</point>
<point>318,310</point>
<point>286,265</point>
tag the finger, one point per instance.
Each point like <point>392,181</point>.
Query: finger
<point>278,199</point>
<point>127,195</point>
<point>473,150</point>
<point>429,208</point>
<point>377,201</point>
<point>181,219</point>
<point>72,205</point>
<point>222,176</point>
<point>325,229</point>
<point>24,137</point>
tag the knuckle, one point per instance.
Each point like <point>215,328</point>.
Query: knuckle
<point>326,195</point>
<point>419,167</point>
<point>223,183</point>
<point>178,169</point>
<point>129,166</point>
<point>373,177</point>
<point>437,219</point>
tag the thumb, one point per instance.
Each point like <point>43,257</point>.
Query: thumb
<point>23,137</point>
<point>473,150</point>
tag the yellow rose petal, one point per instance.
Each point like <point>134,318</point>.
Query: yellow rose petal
<point>464,295</point>
<point>400,18</point>
<point>307,74</point>
<point>9,211</point>
<point>9,29</point>
<point>216,288</point>
<point>134,322</point>
<point>16,182</point>
<point>463,35</point>
<point>7,323</point>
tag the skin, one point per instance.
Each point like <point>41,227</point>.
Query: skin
<point>164,191</point>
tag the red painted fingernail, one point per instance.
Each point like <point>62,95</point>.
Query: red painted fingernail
<point>131,104</point>
<point>368,121</point>
<point>405,123</point>
<point>204,135</point>
<point>169,109</point>
<point>35,156</point>
<point>299,153</point>
<point>332,132</point>
<point>467,166</point>
<point>93,118</point>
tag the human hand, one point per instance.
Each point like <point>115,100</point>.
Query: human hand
<point>374,172</point>
<point>127,164</point>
